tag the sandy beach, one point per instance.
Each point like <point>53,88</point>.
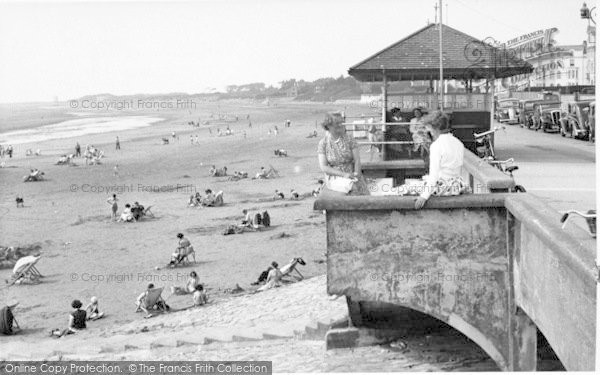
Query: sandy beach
<point>85,254</point>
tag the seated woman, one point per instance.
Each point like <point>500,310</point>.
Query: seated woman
<point>137,211</point>
<point>445,160</point>
<point>76,321</point>
<point>419,134</point>
<point>126,216</point>
<point>92,310</point>
<point>339,154</point>
<point>273,279</point>
<point>189,287</point>
<point>294,194</point>
<point>262,174</point>
<point>212,171</point>
<point>183,250</point>
<point>209,199</point>
<point>278,195</point>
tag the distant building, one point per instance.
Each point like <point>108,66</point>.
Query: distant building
<point>554,65</point>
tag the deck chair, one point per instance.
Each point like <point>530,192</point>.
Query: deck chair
<point>148,212</point>
<point>25,269</point>
<point>291,267</point>
<point>154,299</point>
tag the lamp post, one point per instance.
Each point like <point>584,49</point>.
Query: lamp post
<point>586,13</point>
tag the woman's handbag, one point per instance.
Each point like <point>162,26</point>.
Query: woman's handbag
<point>340,184</point>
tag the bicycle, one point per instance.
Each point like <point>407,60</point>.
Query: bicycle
<point>590,218</point>
<point>508,170</point>
<point>489,155</point>
<point>485,139</point>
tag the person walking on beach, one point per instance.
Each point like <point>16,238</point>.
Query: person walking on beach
<point>116,170</point>
<point>196,138</point>
<point>114,207</point>
<point>78,150</point>
<point>117,144</point>
<point>9,151</point>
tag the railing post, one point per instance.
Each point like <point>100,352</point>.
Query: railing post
<point>384,101</point>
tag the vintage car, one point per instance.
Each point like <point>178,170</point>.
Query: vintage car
<point>550,120</point>
<point>507,111</point>
<point>530,111</point>
<point>576,123</point>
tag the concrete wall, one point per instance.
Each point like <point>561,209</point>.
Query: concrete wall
<point>555,281</point>
<point>490,265</point>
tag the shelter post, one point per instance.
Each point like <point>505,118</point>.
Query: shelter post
<point>384,101</point>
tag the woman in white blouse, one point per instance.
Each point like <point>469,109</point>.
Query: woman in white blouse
<point>445,160</point>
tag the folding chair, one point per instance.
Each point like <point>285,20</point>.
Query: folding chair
<point>154,299</point>
<point>148,212</point>
<point>25,268</point>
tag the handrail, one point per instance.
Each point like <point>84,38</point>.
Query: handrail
<point>378,123</point>
<point>332,201</point>
<point>542,220</point>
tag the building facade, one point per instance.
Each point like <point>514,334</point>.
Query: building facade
<point>554,65</point>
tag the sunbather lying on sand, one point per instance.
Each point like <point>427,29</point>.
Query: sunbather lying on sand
<point>76,321</point>
<point>92,310</point>
<point>264,174</point>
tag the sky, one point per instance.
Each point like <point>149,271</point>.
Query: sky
<point>69,49</point>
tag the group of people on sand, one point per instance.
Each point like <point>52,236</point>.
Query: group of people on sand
<point>129,214</point>
<point>79,317</point>
<point>214,172</point>
<point>209,200</point>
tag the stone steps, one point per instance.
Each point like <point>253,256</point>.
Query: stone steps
<point>301,310</point>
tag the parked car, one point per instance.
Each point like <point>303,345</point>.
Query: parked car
<point>550,120</point>
<point>530,115</point>
<point>507,111</point>
<point>576,123</point>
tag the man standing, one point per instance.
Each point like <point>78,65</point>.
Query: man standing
<point>77,150</point>
<point>117,144</point>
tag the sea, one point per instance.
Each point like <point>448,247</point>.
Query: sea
<point>76,128</point>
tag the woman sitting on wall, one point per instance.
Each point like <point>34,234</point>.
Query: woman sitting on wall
<point>445,160</point>
<point>339,155</point>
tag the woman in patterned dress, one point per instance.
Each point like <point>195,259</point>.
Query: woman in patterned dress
<point>339,155</point>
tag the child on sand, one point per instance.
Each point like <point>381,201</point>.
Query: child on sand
<point>114,207</point>
<point>92,310</point>
<point>199,296</point>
